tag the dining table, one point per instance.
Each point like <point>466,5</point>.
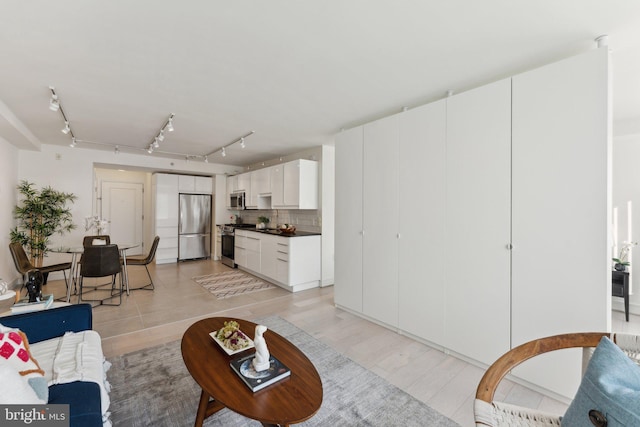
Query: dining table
<point>79,250</point>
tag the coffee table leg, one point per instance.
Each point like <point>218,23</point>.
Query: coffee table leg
<point>206,408</point>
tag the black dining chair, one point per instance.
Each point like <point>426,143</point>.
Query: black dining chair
<point>23,265</point>
<point>145,262</point>
<point>101,261</point>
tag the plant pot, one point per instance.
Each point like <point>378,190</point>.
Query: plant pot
<point>620,267</point>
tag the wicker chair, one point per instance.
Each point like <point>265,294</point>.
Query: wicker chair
<point>491,413</point>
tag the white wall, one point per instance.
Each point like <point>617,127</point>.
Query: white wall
<point>626,187</point>
<point>8,183</point>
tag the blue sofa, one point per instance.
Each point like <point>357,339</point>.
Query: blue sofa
<point>82,397</point>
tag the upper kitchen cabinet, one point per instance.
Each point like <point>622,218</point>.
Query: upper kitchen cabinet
<point>294,185</point>
<point>561,146</point>
<point>195,184</point>
<point>244,182</point>
<point>478,222</point>
<point>232,185</point>
<point>260,195</point>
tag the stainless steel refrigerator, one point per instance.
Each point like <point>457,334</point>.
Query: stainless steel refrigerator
<point>194,229</point>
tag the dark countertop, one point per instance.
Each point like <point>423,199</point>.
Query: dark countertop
<point>275,232</point>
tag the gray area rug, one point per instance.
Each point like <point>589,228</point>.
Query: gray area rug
<point>152,387</point>
<point>228,284</point>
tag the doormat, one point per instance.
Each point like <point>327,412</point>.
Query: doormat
<point>228,284</point>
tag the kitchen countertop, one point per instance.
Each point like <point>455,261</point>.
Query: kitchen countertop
<point>275,232</point>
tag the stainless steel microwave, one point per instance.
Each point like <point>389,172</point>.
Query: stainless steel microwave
<point>237,201</point>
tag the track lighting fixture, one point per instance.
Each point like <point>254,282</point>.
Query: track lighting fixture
<point>54,105</point>
<point>73,142</point>
<point>150,149</point>
<point>223,153</point>
<point>169,124</point>
<point>206,159</point>
<point>155,143</point>
<point>161,136</point>
<point>116,150</point>
<point>242,143</point>
<point>223,149</point>
<point>66,129</point>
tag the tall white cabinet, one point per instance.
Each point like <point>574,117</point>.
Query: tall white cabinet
<point>561,208</point>
<point>421,197</point>
<point>481,221</point>
<point>348,227</point>
<point>478,223</point>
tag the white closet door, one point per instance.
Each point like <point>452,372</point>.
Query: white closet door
<point>478,208</point>
<point>380,241</point>
<point>348,219</point>
<point>561,149</point>
<point>422,215</point>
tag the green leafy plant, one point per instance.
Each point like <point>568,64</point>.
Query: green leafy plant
<point>263,219</point>
<point>40,214</point>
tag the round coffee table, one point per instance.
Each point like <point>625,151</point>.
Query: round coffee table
<point>289,401</point>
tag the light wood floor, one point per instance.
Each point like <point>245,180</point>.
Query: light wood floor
<point>442,381</point>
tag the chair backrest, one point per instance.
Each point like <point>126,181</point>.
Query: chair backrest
<point>20,258</point>
<point>100,260</point>
<point>89,240</point>
<point>152,251</point>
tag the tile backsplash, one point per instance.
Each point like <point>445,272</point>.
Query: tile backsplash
<point>304,220</point>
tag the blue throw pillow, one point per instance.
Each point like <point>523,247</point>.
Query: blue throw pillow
<point>610,389</point>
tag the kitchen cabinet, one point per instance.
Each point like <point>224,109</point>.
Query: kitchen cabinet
<point>348,224</point>
<point>232,186</point>
<point>239,248</point>
<point>478,222</point>
<point>291,262</point>
<point>295,185</point>
<point>380,220</point>
<point>260,196</point>
<point>421,151</point>
<point>203,185</point>
<point>244,182</point>
<point>165,219</point>
<point>195,184</point>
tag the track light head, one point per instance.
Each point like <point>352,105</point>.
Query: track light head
<point>150,149</point>
<point>224,153</point>
<point>54,104</point>
<point>206,159</point>
<point>169,126</point>
<point>160,136</point>
<point>66,129</point>
<point>242,145</point>
<point>155,143</point>
<point>73,142</point>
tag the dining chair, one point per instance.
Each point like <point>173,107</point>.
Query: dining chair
<point>23,265</point>
<point>101,261</point>
<point>99,239</point>
<point>145,262</point>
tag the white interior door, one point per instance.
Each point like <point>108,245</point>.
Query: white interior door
<point>122,207</point>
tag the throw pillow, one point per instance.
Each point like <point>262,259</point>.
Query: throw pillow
<point>14,349</point>
<point>609,393</point>
<point>15,388</point>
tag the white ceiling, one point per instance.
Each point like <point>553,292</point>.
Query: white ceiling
<point>295,71</point>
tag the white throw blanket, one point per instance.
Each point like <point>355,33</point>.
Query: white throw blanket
<point>76,356</point>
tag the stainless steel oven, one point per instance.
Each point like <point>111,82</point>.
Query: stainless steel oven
<point>227,240</point>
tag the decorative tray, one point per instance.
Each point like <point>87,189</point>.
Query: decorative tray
<point>228,350</point>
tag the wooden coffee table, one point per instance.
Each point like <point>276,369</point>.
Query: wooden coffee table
<point>289,401</point>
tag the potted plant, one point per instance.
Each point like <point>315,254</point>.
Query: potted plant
<point>40,214</point>
<point>262,222</point>
<point>622,262</point>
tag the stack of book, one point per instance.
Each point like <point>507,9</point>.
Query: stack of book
<point>243,366</point>
<point>24,305</point>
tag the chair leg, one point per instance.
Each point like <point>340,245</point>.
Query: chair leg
<point>149,286</point>
<point>111,296</point>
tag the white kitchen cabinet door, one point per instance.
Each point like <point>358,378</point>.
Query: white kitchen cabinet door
<point>239,249</point>
<point>477,230</point>
<point>244,183</point>
<point>187,183</point>
<point>561,261</point>
<point>260,187</point>
<point>380,220</point>
<point>203,185</point>
<point>165,218</point>
<point>277,185</point>
<point>252,246</point>
<point>348,219</point>
<point>421,258</point>
<point>268,255</point>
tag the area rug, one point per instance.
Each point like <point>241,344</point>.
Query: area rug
<point>152,387</point>
<point>231,283</point>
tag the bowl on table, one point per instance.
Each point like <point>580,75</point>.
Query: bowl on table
<point>287,228</point>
